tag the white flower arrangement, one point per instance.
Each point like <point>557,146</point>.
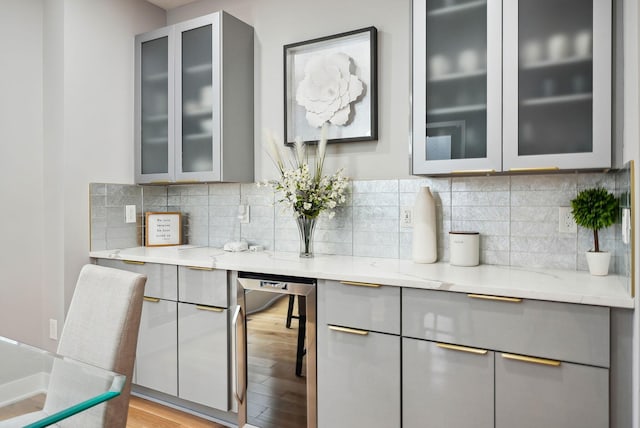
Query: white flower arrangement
<point>328,89</point>
<point>307,193</point>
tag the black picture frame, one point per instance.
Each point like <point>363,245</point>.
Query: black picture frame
<point>361,48</point>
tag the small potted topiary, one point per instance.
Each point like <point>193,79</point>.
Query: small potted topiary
<point>595,209</point>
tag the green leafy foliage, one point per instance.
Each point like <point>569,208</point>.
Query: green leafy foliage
<point>595,209</point>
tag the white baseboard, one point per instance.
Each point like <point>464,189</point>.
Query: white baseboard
<point>23,388</point>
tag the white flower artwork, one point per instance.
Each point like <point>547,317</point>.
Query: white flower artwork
<point>328,89</point>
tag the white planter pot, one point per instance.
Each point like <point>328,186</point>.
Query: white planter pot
<point>598,262</point>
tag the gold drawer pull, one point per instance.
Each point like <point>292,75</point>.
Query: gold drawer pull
<point>360,284</point>
<point>348,330</point>
<point>473,171</point>
<point>498,298</point>
<point>151,299</point>
<point>209,308</point>
<point>133,262</point>
<point>160,182</point>
<point>533,360</point>
<point>199,268</point>
<point>462,348</point>
<point>539,169</point>
<point>187,181</point>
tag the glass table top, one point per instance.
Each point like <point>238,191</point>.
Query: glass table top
<point>39,388</point>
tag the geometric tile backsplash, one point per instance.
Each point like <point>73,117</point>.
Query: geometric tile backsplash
<point>517,217</point>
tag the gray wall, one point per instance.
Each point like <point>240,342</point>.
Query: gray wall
<point>281,22</point>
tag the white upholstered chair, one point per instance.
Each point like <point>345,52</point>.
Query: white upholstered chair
<point>101,329</point>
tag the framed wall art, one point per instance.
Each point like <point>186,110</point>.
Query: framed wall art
<point>332,80</point>
<point>163,229</point>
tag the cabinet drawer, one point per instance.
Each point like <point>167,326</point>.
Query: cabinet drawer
<point>358,379</point>
<point>157,350</point>
<point>560,331</point>
<point>534,395</point>
<point>369,307</point>
<point>448,386</point>
<point>202,286</point>
<point>162,280</point>
<point>203,364</point>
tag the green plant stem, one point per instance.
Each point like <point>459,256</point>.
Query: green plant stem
<point>595,241</point>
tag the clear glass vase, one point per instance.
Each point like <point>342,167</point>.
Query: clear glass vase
<point>306,227</point>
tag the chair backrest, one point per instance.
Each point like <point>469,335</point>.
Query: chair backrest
<point>101,329</point>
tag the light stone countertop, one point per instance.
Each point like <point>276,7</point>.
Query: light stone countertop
<point>541,284</point>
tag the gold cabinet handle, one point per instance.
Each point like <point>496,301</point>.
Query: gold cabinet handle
<point>199,268</point>
<point>497,298</point>
<point>473,171</point>
<point>462,348</point>
<point>151,299</point>
<point>188,181</point>
<point>348,330</point>
<point>539,169</point>
<point>160,182</point>
<point>360,284</point>
<point>133,262</point>
<point>209,308</point>
<point>533,360</point>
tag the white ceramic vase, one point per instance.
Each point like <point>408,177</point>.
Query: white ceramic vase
<point>598,262</point>
<point>425,244</point>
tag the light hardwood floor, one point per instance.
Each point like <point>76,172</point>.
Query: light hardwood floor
<point>147,414</point>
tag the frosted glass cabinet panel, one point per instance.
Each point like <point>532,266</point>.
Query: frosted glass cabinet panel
<point>557,111</point>
<point>155,126</point>
<point>198,128</point>
<point>187,135</point>
<point>456,85</point>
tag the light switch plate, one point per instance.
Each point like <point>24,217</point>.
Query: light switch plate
<point>243,214</point>
<point>406,217</point>
<point>130,214</point>
<point>566,224</point>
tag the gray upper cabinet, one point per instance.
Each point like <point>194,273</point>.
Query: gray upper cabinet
<point>194,102</point>
<point>511,85</point>
<point>557,84</point>
<point>457,73</point>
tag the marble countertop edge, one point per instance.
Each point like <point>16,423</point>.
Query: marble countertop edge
<point>530,283</point>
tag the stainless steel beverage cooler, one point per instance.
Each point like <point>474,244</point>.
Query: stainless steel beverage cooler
<point>304,291</point>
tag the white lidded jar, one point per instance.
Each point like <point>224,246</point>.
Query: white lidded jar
<point>464,248</point>
<point>425,243</point>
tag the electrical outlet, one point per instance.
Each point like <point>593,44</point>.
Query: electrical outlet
<point>243,214</point>
<point>406,217</point>
<point>130,214</point>
<point>566,224</point>
<point>53,329</point>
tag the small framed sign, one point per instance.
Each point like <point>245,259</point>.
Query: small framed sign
<point>163,229</point>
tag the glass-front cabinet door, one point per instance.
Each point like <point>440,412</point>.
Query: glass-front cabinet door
<point>456,86</point>
<point>154,155</point>
<point>198,95</point>
<point>557,84</point>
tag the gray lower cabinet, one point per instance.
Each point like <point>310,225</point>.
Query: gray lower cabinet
<point>358,378</point>
<point>157,351</point>
<point>358,355</point>
<point>533,393</point>
<point>203,360</point>
<point>446,386</point>
<point>156,365</point>
<point>162,280</point>
<point>183,346</point>
<point>533,363</point>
